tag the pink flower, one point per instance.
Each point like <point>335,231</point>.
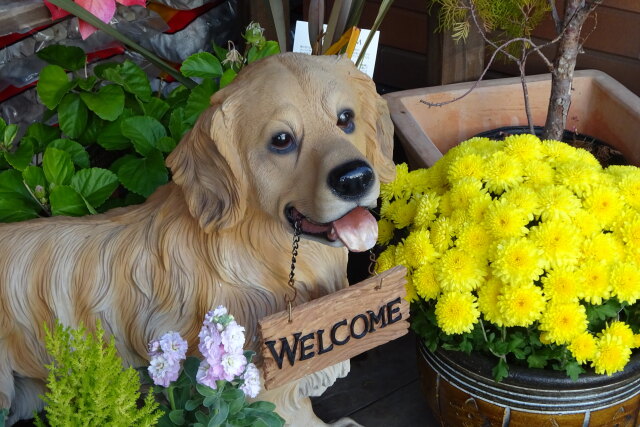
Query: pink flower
<point>103,9</point>
<point>211,344</point>
<point>233,365</point>
<point>209,374</point>
<point>173,346</point>
<point>163,371</point>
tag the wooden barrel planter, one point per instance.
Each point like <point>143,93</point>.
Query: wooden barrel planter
<point>460,391</point>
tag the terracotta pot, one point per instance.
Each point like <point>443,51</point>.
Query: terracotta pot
<point>460,391</point>
<point>601,107</point>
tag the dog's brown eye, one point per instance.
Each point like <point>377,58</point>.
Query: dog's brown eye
<point>345,121</point>
<point>282,142</point>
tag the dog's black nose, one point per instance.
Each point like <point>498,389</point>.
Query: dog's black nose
<point>351,180</point>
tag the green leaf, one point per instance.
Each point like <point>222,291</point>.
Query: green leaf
<point>263,405</point>
<point>192,404</point>
<point>3,125</point>
<point>11,186</point>
<point>178,96</point>
<point>202,64</point>
<point>144,132</point>
<point>143,175</point>
<point>199,100</point>
<point>537,360</point>
<point>177,416</point>
<point>40,135</point>
<point>68,57</point>
<point>205,390</point>
<point>190,368</point>
<point>111,137</point>
<point>202,418</point>
<point>22,156</point>
<point>88,83</point>
<point>573,370</point>
<point>95,184</point>
<point>501,370</point>
<point>131,77</point>
<point>66,201</point>
<point>221,53</point>
<point>94,128</point>
<point>10,133</point>
<point>269,48</point>
<point>263,418</point>
<point>52,85</point>
<point>78,153</point>
<point>72,115</point>
<point>155,108</point>
<point>13,209</point>
<point>108,103</point>
<point>166,144</point>
<point>177,124</point>
<point>227,77</point>
<point>57,166</point>
<point>221,416</point>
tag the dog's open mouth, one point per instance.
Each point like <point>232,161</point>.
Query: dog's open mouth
<point>357,230</point>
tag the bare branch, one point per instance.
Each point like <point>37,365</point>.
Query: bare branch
<point>556,18</point>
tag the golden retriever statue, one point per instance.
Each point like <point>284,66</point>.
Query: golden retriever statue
<point>293,138</point>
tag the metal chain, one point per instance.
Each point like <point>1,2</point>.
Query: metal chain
<point>373,263</point>
<point>297,231</point>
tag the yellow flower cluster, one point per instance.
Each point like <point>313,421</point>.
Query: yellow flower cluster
<point>520,232</point>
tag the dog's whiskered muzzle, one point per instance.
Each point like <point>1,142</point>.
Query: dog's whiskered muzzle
<point>351,180</point>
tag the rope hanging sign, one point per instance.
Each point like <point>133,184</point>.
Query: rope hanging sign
<point>320,333</point>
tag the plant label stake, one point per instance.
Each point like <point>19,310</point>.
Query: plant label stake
<point>320,333</point>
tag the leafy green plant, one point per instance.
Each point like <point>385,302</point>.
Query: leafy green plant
<point>87,384</point>
<point>113,131</point>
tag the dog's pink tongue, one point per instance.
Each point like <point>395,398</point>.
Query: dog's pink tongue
<point>358,230</point>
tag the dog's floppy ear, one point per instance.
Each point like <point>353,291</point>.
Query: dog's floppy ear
<point>379,126</point>
<point>207,166</point>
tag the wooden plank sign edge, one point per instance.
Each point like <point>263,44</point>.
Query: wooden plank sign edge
<point>333,328</point>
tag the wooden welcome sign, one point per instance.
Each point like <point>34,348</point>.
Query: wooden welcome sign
<point>334,328</point>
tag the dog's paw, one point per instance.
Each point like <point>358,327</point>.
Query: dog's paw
<point>345,422</point>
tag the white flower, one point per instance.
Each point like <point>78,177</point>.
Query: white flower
<point>173,346</point>
<point>163,371</point>
<point>251,377</point>
<point>233,337</point>
<point>233,365</point>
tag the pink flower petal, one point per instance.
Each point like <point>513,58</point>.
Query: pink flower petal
<point>56,12</point>
<point>132,2</point>
<point>103,9</point>
<point>85,29</point>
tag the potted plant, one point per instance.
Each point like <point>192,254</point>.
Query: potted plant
<point>585,102</point>
<point>523,259</point>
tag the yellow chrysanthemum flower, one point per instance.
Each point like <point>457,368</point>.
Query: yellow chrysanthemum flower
<point>479,145</point>
<point>538,174</point>
<point>466,166</point>
<point>398,188</point>
<point>418,249</point>
<point>517,261</point>
<point>629,186</point>
<point>400,256</point>
<point>557,151</point>
<point>521,305</point>
<point>557,202</point>
<point>400,211</point>
<point>524,198</point>
<point>563,321</point>
<point>456,270</point>
<point>426,210</point>
<point>584,157</point>
<point>412,294</point>
<point>630,231</point>
<point>463,191</point>
<point>488,301</point>
<point>594,282</point>
<point>625,282</point>
<point>474,238</point>
<point>386,260</point>
<point>578,177</point>
<point>583,347</point>
<point>442,234</point>
<point>504,220</point>
<point>586,223</point>
<point>559,241</point>
<point>525,147</point>
<point>611,355</point>
<point>560,285</point>
<point>456,312</point>
<point>602,248</point>
<point>502,172</point>
<point>478,207</point>
<point>385,231</point>
<point>636,340</point>
<point>424,280</point>
<point>605,204</point>
<point>619,329</point>
<point>422,180</point>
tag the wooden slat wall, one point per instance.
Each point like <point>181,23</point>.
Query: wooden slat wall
<point>613,45</point>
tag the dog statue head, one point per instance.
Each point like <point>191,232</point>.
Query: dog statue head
<point>303,138</point>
